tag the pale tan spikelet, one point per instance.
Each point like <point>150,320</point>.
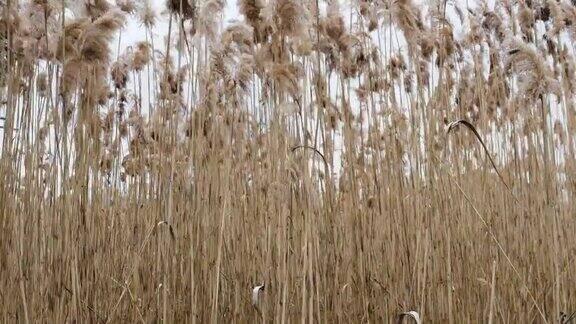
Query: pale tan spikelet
<point>287,76</point>
<point>372,23</point>
<point>110,22</point>
<point>492,22</point>
<point>106,160</point>
<point>426,43</point>
<point>321,89</point>
<point>170,80</point>
<point>423,73</point>
<point>542,11</point>
<point>95,50</point>
<point>251,10</point>
<point>498,89</point>
<point>333,25</point>
<point>137,124</point>
<point>69,38</point>
<point>396,66</point>
<point>86,53</point>
<point>95,47</point>
<point>364,8</point>
<point>262,56</point>
<point>127,6</point>
<point>96,8</point>
<point>559,131</point>
<point>142,56</point>
<point>408,82</point>
<point>108,121</point>
<point>38,17</point>
<point>147,16</point>
<point>245,72</point>
<point>210,12</point>
<point>406,15</point>
<point>476,33</point>
<point>221,63</point>
<point>551,46</point>
<point>182,75</point>
<point>535,77</point>
<point>98,80</point>
<point>526,20</point>
<point>240,35</point>
<point>557,15</point>
<point>368,11</point>
<point>568,70</point>
<point>354,57</point>
<point>169,86</point>
<point>47,47</point>
<point>71,76</point>
<point>570,19</point>
<point>119,73</point>
<point>284,17</point>
<point>132,165</point>
<point>290,16</point>
<point>123,129</point>
<point>302,45</point>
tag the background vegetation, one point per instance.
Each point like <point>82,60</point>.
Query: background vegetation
<point>303,147</point>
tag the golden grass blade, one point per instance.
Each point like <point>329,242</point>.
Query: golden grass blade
<point>453,125</point>
<point>293,149</point>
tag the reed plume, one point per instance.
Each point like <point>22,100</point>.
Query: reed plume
<point>307,145</point>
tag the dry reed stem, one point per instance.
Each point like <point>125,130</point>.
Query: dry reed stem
<point>213,140</point>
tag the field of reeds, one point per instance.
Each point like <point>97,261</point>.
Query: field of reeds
<point>359,159</point>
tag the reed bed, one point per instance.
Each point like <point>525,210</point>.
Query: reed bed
<point>305,163</point>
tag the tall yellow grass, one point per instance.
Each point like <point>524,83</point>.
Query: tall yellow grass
<point>303,148</point>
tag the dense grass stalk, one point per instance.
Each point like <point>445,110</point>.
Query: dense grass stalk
<point>307,146</point>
